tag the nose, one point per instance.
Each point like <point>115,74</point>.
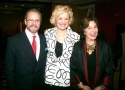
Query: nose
<point>94,29</point>
<point>34,22</point>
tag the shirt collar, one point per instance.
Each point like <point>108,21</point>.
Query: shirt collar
<point>29,34</point>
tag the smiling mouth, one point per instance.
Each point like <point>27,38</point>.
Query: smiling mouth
<point>62,25</point>
<point>93,35</point>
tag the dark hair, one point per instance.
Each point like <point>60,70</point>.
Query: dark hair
<point>85,23</point>
<point>33,10</point>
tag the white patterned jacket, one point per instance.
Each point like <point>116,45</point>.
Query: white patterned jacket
<point>58,69</point>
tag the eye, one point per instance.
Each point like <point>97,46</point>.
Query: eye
<point>89,27</point>
<point>37,20</point>
<point>31,20</point>
<point>95,27</point>
<point>66,19</point>
<point>60,18</point>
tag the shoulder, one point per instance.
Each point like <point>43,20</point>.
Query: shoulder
<point>103,45</point>
<point>78,47</point>
<point>79,44</point>
<point>16,36</point>
<point>74,35</point>
<point>40,35</point>
<point>42,39</point>
<point>50,30</point>
<point>102,42</point>
<point>72,32</point>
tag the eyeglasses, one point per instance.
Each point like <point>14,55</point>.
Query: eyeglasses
<point>31,20</point>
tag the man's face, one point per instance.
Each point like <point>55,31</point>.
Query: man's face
<point>33,22</point>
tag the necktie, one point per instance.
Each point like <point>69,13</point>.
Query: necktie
<point>34,45</point>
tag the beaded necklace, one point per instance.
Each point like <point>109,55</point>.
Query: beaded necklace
<point>90,48</point>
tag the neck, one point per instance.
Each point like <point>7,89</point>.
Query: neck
<point>90,47</point>
<point>61,35</point>
<point>90,42</point>
<point>61,31</point>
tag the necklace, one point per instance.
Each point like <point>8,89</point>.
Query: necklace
<point>90,48</point>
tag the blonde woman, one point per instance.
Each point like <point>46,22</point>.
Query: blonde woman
<point>60,41</point>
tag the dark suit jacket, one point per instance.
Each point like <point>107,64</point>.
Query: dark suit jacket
<point>23,71</point>
<point>105,64</point>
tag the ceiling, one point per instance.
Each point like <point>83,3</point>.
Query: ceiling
<point>62,1</point>
<point>16,5</point>
<point>70,1</point>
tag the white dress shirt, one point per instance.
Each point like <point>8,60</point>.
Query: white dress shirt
<point>30,37</point>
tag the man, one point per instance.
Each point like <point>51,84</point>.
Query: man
<point>25,65</point>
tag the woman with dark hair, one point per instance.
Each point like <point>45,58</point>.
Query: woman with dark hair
<point>91,60</point>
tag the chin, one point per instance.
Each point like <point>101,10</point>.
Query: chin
<point>34,31</point>
<point>93,39</point>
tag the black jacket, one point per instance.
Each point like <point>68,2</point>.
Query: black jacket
<point>23,71</point>
<point>105,64</point>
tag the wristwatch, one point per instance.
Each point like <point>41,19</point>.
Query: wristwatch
<point>103,87</point>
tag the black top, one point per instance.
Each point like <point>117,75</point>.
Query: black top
<point>58,49</point>
<point>105,65</point>
<point>91,67</point>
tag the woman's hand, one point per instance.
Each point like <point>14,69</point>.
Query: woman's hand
<point>98,88</point>
<point>83,87</point>
<point>86,87</point>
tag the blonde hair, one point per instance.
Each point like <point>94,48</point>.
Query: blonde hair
<point>59,9</point>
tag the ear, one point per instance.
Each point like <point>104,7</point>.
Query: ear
<point>84,33</point>
<point>25,21</point>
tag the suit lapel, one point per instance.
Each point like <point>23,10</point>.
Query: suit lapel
<point>27,45</point>
<point>41,59</point>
